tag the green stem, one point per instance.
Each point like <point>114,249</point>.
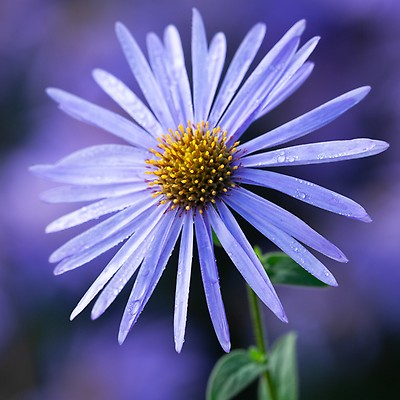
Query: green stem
<point>260,337</point>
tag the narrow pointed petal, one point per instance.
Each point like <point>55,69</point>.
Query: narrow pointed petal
<point>106,154</point>
<point>144,76</point>
<point>287,244</point>
<point>210,277</point>
<point>157,58</point>
<point>237,69</point>
<point>305,191</point>
<point>72,194</point>
<point>199,66</point>
<point>113,288</point>
<point>308,122</point>
<point>128,250</point>
<point>282,92</point>
<point>149,250</point>
<point>285,221</point>
<point>179,76</point>
<point>251,96</point>
<point>234,242</point>
<point>101,231</point>
<point>95,210</point>
<point>216,60</point>
<point>183,281</point>
<point>316,153</point>
<point>128,101</point>
<point>95,115</point>
<point>149,275</point>
<point>94,174</point>
<point>295,66</point>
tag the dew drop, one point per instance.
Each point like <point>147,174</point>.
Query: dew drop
<point>281,157</point>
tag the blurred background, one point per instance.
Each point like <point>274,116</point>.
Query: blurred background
<point>349,337</point>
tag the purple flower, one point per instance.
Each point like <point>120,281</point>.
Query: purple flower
<point>183,170</point>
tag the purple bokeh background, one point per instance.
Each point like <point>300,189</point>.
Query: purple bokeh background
<point>349,343</point>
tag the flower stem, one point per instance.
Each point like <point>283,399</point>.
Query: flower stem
<point>261,343</point>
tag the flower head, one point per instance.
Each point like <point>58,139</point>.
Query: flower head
<point>183,170</point>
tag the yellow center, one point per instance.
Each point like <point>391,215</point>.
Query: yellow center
<point>192,166</point>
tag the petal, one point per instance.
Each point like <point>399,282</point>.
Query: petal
<point>96,210</point>
<point>305,191</point>
<point>149,250</point>
<point>308,122</point>
<point>98,116</point>
<point>126,252</point>
<point>72,194</point>
<point>238,248</point>
<point>183,281</point>
<point>216,60</point>
<point>199,66</point>
<point>148,277</point>
<point>128,101</point>
<point>210,278</point>
<point>245,200</point>
<point>237,70</point>
<point>316,153</point>
<point>282,92</point>
<point>144,76</point>
<point>177,68</point>
<point>158,62</point>
<point>91,174</point>
<point>95,235</point>
<point>106,154</point>
<point>298,61</point>
<point>256,88</point>
<point>287,244</point>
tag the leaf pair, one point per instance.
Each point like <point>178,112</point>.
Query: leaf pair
<point>277,373</point>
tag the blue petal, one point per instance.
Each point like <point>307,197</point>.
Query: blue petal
<point>306,123</point>
<point>210,277</point>
<point>183,281</point>
<point>237,70</point>
<point>199,66</point>
<point>129,251</point>
<point>286,243</point>
<point>144,76</point>
<point>91,174</point>
<point>293,77</point>
<point>250,98</point>
<point>92,114</point>
<point>178,72</point>
<point>106,154</point>
<point>316,153</point>
<point>239,250</point>
<point>128,101</point>
<point>96,210</point>
<point>216,60</point>
<point>149,250</point>
<point>149,275</point>
<point>305,191</point>
<point>245,200</point>
<point>158,62</point>
<point>101,237</point>
<point>72,194</point>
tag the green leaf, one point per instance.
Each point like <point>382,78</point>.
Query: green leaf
<point>283,367</point>
<point>215,239</point>
<point>282,270</point>
<point>232,373</point>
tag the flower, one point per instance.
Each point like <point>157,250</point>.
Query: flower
<point>183,170</point>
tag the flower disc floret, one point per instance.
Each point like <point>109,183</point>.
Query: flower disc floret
<point>193,166</point>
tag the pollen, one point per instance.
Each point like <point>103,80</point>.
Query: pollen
<point>192,166</point>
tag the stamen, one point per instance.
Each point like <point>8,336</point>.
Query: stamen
<point>193,166</point>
